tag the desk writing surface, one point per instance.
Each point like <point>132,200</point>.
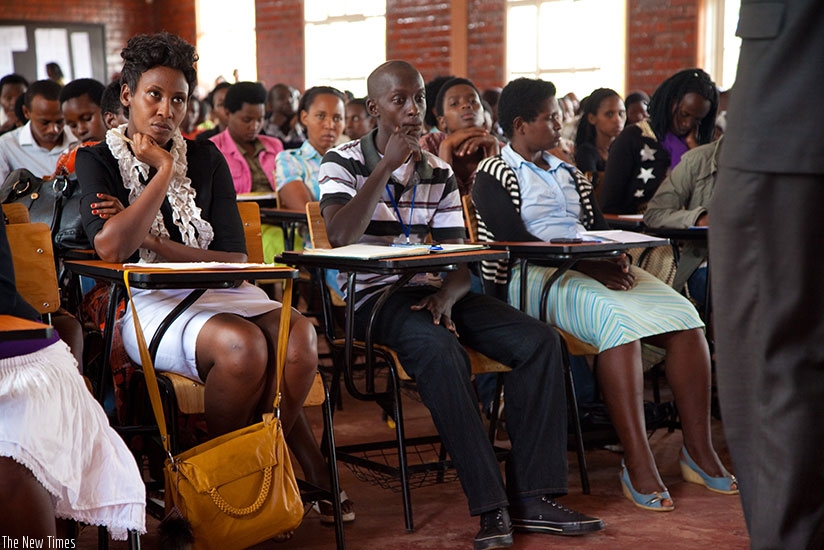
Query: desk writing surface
<point>149,277</point>
<point>16,328</point>
<point>422,263</point>
<point>537,249</point>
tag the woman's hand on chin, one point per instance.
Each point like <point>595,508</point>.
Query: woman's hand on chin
<point>146,150</point>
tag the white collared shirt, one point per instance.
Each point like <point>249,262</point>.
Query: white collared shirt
<point>18,149</point>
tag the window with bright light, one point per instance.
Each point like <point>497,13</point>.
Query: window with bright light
<point>226,41</point>
<point>344,41</point>
<point>576,44</point>
<point>721,45</point>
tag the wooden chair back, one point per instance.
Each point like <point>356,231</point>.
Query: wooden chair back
<point>317,226</point>
<point>16,212</point>
<point>470,221</point>
<point>34,268</point>
<point>250,216</point>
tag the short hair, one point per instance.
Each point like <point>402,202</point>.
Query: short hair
<point>144,52</point>
<point>252,93</point>
<point>210,98</point>
<point>360,102</point>
<point>18,108</point>
<point>81,87</point>
<point>54,67</point>
<point>110,99</point>
<point>309,96</point>
<point>522,98</point>
<point>451,83</point>
<point>672,90</point>
<point>13,78</point>
<point>589,105</point>
<point>432,88</point>
<point>636,97</point>
<point>47,89</point>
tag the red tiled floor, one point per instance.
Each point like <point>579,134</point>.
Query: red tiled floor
<point>701,519</point>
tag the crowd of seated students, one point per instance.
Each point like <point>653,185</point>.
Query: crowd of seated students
<point>162,194</point>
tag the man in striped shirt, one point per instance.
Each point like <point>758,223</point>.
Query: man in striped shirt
<point>384,189</point>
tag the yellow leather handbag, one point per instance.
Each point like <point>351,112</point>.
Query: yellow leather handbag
<point>238,489</point>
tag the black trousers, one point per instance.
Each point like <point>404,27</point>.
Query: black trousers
<point>766,248</point>
<point>534,391</point>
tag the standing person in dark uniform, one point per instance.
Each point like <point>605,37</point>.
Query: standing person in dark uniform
<point>765,258</point>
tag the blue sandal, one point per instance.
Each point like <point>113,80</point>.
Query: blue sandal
<point>651,501</point>
<point>692,473</point>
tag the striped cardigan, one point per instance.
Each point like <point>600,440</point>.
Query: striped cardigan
<point>498,271</point>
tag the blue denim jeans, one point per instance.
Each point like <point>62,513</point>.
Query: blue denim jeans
<point>534,390</point>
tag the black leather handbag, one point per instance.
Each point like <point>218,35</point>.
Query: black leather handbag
<point>55,202</point>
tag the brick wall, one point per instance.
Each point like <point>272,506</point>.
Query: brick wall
<point>662,34</point>
<point>428,51</point>
<point>280,54</point>
<point>662,39</point>
<point>486,50</point>
<point>122,18</point>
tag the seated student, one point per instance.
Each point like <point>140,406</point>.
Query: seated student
<point>602,119</point>
<point>367,190</point>
<point>462,141</point>
<point>180,206</point>
<point>110,106</point>
<point>358,121</point>
<point>682,115</point>
<point>282,116</point>
<point>607,303</point>
<point>58,455</point>
<point>216,99</point>
<point>189,126</point>
<point>249,154</point>
<point>636,104</point>
<point>37,144</point>
<point>682,201</point>
<point>12,86</point>
<point>321,114</point>
<point>80,103</point>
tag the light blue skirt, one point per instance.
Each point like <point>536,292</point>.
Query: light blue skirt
<point>602,317</point>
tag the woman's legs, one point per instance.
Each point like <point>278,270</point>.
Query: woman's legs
<point>232,359</point>
<point>687,366</point>
<point>299,374</point>
<point>25,506</point>
<point>621,379</point>
<point>237,358</point>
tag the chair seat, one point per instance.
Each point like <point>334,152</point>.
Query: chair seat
<point>574,345</point>
<point>480,363</point>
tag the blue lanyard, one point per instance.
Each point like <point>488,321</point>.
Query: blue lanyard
<point>406,228</point>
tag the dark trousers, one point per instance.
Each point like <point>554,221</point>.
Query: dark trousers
<point>534,391</point>
<point>766,246</point>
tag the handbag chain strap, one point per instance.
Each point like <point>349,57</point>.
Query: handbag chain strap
<point>151,377</point>
<point>230,510</point>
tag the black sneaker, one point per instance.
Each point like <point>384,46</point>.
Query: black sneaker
<point>544,515</point>
<point>496,530</point>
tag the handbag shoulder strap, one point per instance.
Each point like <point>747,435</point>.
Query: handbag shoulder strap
<point>151,377</point>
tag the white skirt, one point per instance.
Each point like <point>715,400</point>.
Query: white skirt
<point>51,424</point>
<point>177,348</point>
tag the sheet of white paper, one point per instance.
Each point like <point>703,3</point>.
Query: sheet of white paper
<point>620,236</point>
<point>367,251</point>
